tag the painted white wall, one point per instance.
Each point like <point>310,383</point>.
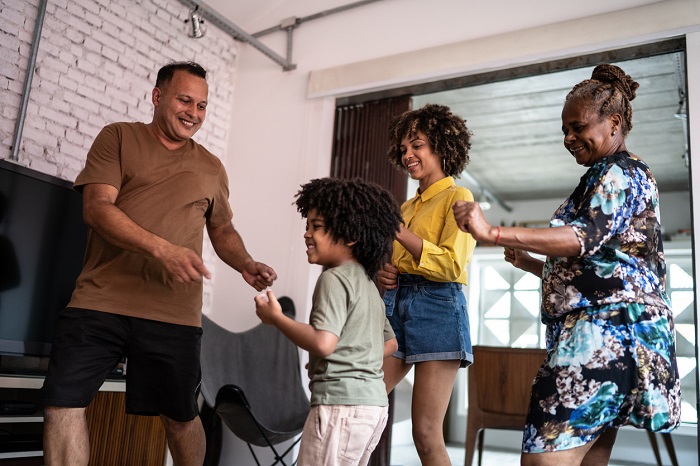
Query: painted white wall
<point>529,43</point>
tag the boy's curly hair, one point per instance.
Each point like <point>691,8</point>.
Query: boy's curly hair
<point>355,210</point>
<point>447,135</point>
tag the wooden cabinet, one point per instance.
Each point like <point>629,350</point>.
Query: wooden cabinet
<point>116,438</point>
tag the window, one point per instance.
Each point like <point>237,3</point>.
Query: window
<point>504,305</point>
<point>508,305</point>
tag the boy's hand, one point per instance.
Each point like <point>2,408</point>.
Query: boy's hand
<point>267,307</point>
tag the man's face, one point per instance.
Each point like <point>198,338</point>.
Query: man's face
<point>180,107</point>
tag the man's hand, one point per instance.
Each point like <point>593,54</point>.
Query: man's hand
<point>258,275</point>
<point>182,264</point>
<point>228,245</point>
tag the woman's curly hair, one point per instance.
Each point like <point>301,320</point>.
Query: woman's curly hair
<point>608,91</point>
<point>355,210</point>
<point>447,135</point>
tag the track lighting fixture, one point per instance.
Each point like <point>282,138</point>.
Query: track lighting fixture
<point>195,29</point>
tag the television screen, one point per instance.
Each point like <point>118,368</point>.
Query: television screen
<point>42,243</point>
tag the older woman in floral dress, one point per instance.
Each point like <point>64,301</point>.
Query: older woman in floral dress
<point>611,357</point>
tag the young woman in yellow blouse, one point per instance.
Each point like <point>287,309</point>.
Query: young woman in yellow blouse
<point>423,283</point>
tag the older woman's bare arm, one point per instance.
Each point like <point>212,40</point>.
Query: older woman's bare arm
<point>558,241</point>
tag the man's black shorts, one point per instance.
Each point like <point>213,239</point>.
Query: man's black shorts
<point>162,373</point>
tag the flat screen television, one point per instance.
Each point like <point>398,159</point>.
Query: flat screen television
<point>42,244</point>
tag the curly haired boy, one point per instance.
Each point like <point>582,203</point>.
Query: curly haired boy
<point>350,228</point>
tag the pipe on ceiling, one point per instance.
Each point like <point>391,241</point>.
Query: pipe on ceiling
<point>209,14</point>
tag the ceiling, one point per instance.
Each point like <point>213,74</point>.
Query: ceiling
<point>517,151</point>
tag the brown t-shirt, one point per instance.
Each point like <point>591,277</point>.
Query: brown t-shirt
<point>169,193</point>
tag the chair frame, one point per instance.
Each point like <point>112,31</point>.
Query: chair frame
<point>259,366</point>
<point>234,394</point>
<point>499,386</point>
<point>503,403</point>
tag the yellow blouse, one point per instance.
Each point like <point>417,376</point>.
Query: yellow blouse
<point>447,250</point>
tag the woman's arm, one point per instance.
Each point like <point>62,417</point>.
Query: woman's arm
<point>559,241</point>
<point>411,242</point>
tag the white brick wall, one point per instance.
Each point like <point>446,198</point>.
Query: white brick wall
<point>96,64</point>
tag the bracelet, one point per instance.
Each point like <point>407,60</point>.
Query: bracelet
<point>498,236</point>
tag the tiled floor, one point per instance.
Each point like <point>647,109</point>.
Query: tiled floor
<point>405,455</point>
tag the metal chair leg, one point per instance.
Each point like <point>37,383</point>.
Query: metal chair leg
<point>655,447</point>
<point>481,445</point>
<point>668,441</point>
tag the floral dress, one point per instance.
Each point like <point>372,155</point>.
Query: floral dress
<point>611,358</point>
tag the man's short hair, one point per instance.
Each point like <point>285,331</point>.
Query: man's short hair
<point>165,74</point>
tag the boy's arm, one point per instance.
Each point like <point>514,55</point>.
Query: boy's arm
<point>390,347</point>
<point>319,342</point>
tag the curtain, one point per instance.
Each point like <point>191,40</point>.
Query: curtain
<point>361,140</point>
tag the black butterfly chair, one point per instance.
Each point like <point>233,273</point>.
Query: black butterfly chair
<point>252,382</point>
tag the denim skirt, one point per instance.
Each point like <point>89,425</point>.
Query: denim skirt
<point>430,320</point>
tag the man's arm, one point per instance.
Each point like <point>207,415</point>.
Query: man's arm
<point>110,222</point>
<point>229,246</point>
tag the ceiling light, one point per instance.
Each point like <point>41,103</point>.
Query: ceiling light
<point>483,200</point>
<point>195,30</point>
<point>485,205</point>
<point>681,114</point>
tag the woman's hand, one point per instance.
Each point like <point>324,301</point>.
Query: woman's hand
<point>471,219</point>
<point>517,257</point>
<point>388,277</point>
<point>523,260</point>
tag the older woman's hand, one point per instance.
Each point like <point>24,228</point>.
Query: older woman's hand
<point>517,257</point>
<point>387,277</point>
<point>471,219</point>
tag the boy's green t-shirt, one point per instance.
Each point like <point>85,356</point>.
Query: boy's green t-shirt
<point>347,303</point>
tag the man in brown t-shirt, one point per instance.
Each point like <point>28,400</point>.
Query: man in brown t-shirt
<point>148,191</point>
